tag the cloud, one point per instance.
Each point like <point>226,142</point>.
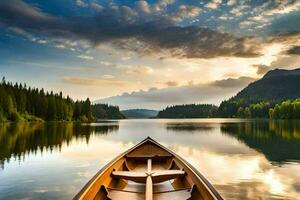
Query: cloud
<point>171,83</point>
<point>96,7</point>
<point>288,59</point>
<point>276,15</point>
<point>240,10</point>
<point>22,15</point>
<point>124,28</point>
<point>81,3</point>
<point>86,57</point>
<point>94,81</point>
<point>285,23</point>
<point>295,50</point>
<point>108,76</point>
<point>231,2</point>
<point>162,4</point>
<point>60,46</point>
<point>23,33</point>
<point>262,69</point>
<point>143,6</point>
<point>283,7</point>
<point>116,65</point>
<point>213,92</point>
<point>233,82</point>
<point>140,70</point>
<point>214,4</point>
<point>185,12</point>
<point>286,62</point>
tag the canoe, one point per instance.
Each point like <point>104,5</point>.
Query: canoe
<point>148,171</point>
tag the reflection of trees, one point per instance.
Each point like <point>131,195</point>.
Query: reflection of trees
<point>278,140</point>
<point>189,127</point>
<point>17,139</point>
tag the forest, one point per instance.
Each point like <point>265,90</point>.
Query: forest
<point>21,103</point>
<point>273,96</point>
<point>189,111</point>
<point>289,109</point>
<point>105,111</point>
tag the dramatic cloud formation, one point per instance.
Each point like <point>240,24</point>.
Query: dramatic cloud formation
<point>128,29</point>
<point>190,51</point>
<point>139,28</point>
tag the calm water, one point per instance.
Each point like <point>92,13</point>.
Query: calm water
<point>242,159</point>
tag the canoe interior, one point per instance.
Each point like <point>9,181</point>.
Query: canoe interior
<point>148,171</point>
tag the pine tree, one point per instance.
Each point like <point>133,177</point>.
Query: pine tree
<point>51,113</point>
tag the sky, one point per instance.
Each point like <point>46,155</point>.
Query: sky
<point>147,54</point>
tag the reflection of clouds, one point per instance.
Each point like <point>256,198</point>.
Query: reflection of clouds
<point>41,190</point>
<point>297,186</point>
<point>98,149</point>
<point>228,172</point>
<point>133,131</point>
<point>248,174</point>
<point>213,164</point>
<point>274,183</point>
<point>83,174</point>
<point>237,171</point>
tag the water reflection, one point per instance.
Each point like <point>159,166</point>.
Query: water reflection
<point>242,159</point>
<point>189,127</point>
<point>279,141</point>
<point>19,139</point>
<point>236,167</point>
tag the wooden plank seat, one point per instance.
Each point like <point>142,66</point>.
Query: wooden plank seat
<point>150,156</point>
<point>140,177</point>
<point>164,175</point>
<point>118,194</point>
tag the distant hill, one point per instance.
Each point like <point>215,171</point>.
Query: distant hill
<point>139,113</point>
<point>105,111</point>
<point>276,86</point>
<point>189,111</point>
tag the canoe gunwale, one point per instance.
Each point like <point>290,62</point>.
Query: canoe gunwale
<point>91,182</point>
<point>193,169</point>
<point>102,170</point>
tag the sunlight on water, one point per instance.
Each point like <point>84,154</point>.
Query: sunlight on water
<point>242,159</point>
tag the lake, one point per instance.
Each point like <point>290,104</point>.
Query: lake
<point>243,159</point>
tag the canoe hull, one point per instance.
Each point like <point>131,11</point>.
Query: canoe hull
<point>148,166</point>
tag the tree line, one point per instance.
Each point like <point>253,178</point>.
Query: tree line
<point>105,111</point>
<point>289,109</point>
<point>21,103</point>
<point>189,111</point>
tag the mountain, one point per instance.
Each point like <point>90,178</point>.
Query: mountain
<point>277,85</point>
<point>258,97</point>
<point>139,113</point>
<point>281,72</point>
